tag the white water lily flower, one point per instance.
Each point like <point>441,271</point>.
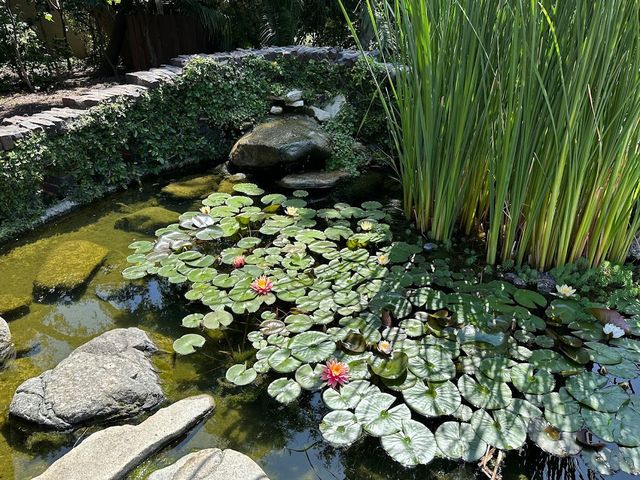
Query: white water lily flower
<point>383,259</point>
<point>206,210</point>
<point>366,226</point>
<point>565,291</point>
<point>613,330</point>
<point>291,211</point>
<point>385,347</point>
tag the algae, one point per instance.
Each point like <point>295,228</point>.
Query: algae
<point>147,220</point>
<point>13,305</point>
<point>192,188</point>
<point>69,266</point>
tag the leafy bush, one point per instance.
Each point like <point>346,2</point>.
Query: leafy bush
<point>196,118</point>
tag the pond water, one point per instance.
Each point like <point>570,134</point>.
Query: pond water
<point>283,440</point>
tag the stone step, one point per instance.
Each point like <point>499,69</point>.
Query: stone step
<point>113,452</point>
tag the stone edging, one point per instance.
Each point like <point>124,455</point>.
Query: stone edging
<point>57,120</point>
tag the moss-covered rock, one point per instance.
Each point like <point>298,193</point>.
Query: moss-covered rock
<point>13,305</point>
<point>227,183</point>
<point>192,188</point>
<point>147,220</point>
<point>69,266</point>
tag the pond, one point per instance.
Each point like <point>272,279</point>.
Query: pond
<point>283,440</point>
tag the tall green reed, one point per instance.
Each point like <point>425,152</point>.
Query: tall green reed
<point>520,119</point>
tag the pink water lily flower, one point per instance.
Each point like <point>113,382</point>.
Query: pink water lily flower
<point>335,373</point>
<point>239,261</point>
<point>262,285</point>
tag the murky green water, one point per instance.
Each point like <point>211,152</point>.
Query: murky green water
<point>283,440</point>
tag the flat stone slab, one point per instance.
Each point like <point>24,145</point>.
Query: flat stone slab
<point>6,346</point>
<point>212,464</point>
<point>108,377</point>
<point>312,180</point>
<point>111,453</point>
<point>147,220</point>
<point>281,142</point>
<point>69,266</point>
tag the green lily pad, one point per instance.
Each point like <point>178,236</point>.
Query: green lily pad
<point>552,440</point>
<point>349,395</point>
<point>529,298</point>
<point>527,379</point>
<point>188,343</point>
<point>487,394</point>
<point>413,445</point>
<point>604,461</point>
<point>433,399</point>
<point>248,189</point>
<point>571,422</point>
<point>282,361</point>
<point>390,367</point>
<point>503,430</point>
<point>432,365</point>
<point>340,428</point>
<point>374,412</point>
<point>284,390</point>
<point>308,377</point>
<point>218,319</point>
<point>312,347</point>
<point>460,440</point>
<point>241,375</point>
<point>630,460</point>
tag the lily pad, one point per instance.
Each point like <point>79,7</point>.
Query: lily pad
<point>284,390</point>
<point>433,399</point>
<point>503,430</point>
<point>188,343</point>
<point>349,395</point>
<point>488,394</point>
<point>312,347</point>
<point>432,365</point>
<point>413,445</point>
<point>340,428</point>
<point>374,412</point>
<point>528,379</point>
<point>460,440</point>
<point>552,440</point>
<point>241,375</point>
<point>390,367</point>
<point>308,377</point>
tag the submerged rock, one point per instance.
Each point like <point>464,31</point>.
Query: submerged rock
<point>192,188</point>
<point>6,346</point>
<point>312,180</point>
<point>108,377</point>
<point>212,464</point>
<point>11,305</point>
<point>69,266</point>
<point>281,143</point>
<point>111,453</point>
<point>147,220</point>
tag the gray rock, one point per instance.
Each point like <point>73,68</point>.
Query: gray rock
<point>335,105</point>
<point>296,104</point>
<point>293,96</point>
<point>281,142</point>
<point>108,377</point>
<point>111,453</point>
<point>320,114</point>
<point>6,346</point>
<point>312,180</point>
<point>546,283</point>
<point>515,280</point>
<point>212,464</point>
<point>275,110</point>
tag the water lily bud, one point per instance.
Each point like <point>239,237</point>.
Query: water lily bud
<point>239,261</point>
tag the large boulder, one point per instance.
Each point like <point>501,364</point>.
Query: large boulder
<point>281,143</point>
<point>111,453</point>
<point>69,266</point>
<point>6,346</point>
<point>212,464</point>
<point>108,377</point>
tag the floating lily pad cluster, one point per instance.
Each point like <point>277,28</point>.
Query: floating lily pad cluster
<point>483,364</point>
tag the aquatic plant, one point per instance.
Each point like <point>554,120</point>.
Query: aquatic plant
<point>516,120</point>
<point>429,359</point>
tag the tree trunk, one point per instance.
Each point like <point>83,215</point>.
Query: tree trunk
<point>20,67</point>
<point>112,52</point>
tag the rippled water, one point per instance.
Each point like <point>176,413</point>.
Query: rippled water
<point>285,441</point>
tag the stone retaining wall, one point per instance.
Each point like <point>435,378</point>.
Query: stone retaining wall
<point>56,120</point>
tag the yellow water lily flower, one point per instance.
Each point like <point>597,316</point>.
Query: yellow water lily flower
<point>205,210</point>
<point>292,211</point>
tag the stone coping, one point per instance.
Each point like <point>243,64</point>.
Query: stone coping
<point>57,120</point>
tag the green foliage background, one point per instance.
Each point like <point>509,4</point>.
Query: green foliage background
<point>197,118</point>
